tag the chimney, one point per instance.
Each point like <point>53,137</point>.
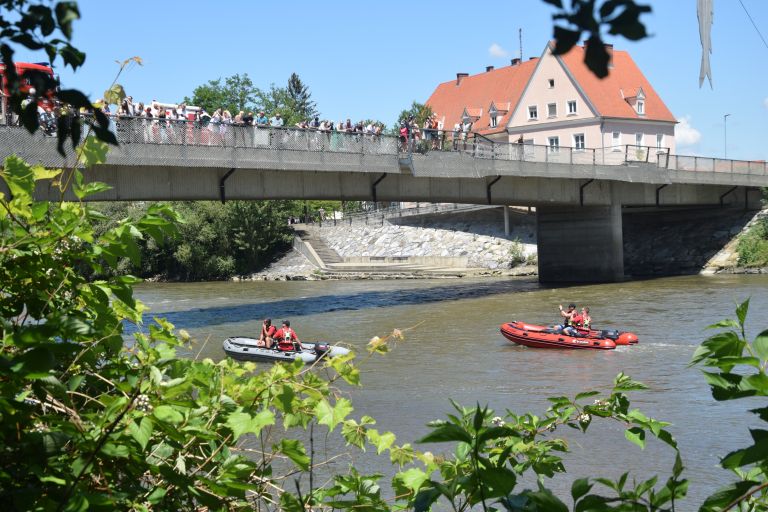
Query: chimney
<point>460,77</point>
<point>609,49</point>
<point>514,62</point>
<point>488,68</point>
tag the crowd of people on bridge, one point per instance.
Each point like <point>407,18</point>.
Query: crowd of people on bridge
<point>174,123</point>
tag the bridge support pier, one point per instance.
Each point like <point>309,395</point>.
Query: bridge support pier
<point>580,244</point>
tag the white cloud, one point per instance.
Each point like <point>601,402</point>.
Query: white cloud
<point>685,134</point>
<point>765,102</point>
<point>497,51</point>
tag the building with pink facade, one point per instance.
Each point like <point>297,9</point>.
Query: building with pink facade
<point>555,100</point>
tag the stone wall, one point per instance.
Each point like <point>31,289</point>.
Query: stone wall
<point>678,241</point>
<point>478,236</point>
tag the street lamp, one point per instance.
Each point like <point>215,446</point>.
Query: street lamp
<point>725,136</point>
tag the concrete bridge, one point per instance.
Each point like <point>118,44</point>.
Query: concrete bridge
<point>579,194</point>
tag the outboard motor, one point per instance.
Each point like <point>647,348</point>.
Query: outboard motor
<point>321,349</point>
<point>610,334</point>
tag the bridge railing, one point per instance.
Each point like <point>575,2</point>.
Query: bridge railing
<point>142,130</point>
<point>479,146</point>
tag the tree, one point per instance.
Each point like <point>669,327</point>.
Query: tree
<point>235,94</point>
<point>418,111</point>
<point>299,98</point>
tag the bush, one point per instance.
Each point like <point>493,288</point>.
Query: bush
<point>753,245</point>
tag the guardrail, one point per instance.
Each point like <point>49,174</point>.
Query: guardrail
<point>141,130</point>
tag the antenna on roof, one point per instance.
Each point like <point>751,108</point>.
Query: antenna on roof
<point>520,37</point>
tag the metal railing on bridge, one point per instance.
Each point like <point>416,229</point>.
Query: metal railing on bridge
<point>158,131</point>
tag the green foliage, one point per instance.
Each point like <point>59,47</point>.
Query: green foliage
<point>493,453</point>
<point>300,101</point>
<point>88,421</point>
<point>215,241</point>
<point>738,371</point>
<point>753,245</point>
<point>235,94</point>
<point>622,17</point>
<point>419,111</point>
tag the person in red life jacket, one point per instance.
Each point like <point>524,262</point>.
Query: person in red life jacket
<point>286,338</point>
<point>586,320</point>
<point>267,333</point>
<point>568,315</point>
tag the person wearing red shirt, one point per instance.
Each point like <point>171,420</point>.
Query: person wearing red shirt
<point>267,333</point>
<point>287,338</point>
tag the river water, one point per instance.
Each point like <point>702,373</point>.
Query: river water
<point>454,350</point>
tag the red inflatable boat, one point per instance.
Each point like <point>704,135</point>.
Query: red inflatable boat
<point>538,336</point>
<point>619,337</point>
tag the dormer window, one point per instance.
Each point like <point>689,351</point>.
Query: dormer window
<point>637,101</point>
<point>493,112</point>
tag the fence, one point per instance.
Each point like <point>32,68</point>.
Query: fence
<point>141,130</point>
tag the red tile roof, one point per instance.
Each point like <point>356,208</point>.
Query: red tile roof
<point>504,87</point>
<point>605,94</point>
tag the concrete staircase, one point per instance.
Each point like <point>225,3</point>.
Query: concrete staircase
<point>327,255</point>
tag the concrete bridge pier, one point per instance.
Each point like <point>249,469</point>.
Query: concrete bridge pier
<point>580,244</point>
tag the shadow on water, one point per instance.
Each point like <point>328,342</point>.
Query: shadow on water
<point>298,307</point>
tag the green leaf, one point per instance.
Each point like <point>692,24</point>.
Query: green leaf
<point>761,345</point>
<point>332,415</point>
<point>412,479</point>
<point>115,450</point>
<point>141,432</point>
<point>741,311</point>
<point>755,453</point>
<point>380,441</point>
<point>586,394</point>
<point>579,488</point>
<point>94,152</point>
<point>114,95</point>
<point>545,500</point>
<point>243,423</point>
<point>401,455</point>
<point>726,495</point>
<point>294,450</point>
<point>636,435</point>
<point>445,433</point>
<point>168,414</point>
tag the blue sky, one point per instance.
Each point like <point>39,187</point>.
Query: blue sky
<point>368,59</point>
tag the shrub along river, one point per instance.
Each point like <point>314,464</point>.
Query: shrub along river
<point>455,351</point>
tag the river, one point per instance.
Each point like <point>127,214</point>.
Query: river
<point>454,350</point>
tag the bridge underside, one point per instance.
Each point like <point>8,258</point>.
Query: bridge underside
<point>152,183</point>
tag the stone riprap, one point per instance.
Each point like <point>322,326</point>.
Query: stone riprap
<point>477,236</point>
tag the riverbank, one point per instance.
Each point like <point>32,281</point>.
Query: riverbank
<point>656,243</point>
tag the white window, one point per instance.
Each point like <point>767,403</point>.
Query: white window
<point>641,107</point>
<point>578,142</point>
<point>551,83</point>
<point>552,110</point>
<point>616,141</point>
<point>533,112</point>
<point>554,144</point>
<point>494,120</point>
<point>659,140</point>
<point>638,139</point>
<point>572,107</point>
